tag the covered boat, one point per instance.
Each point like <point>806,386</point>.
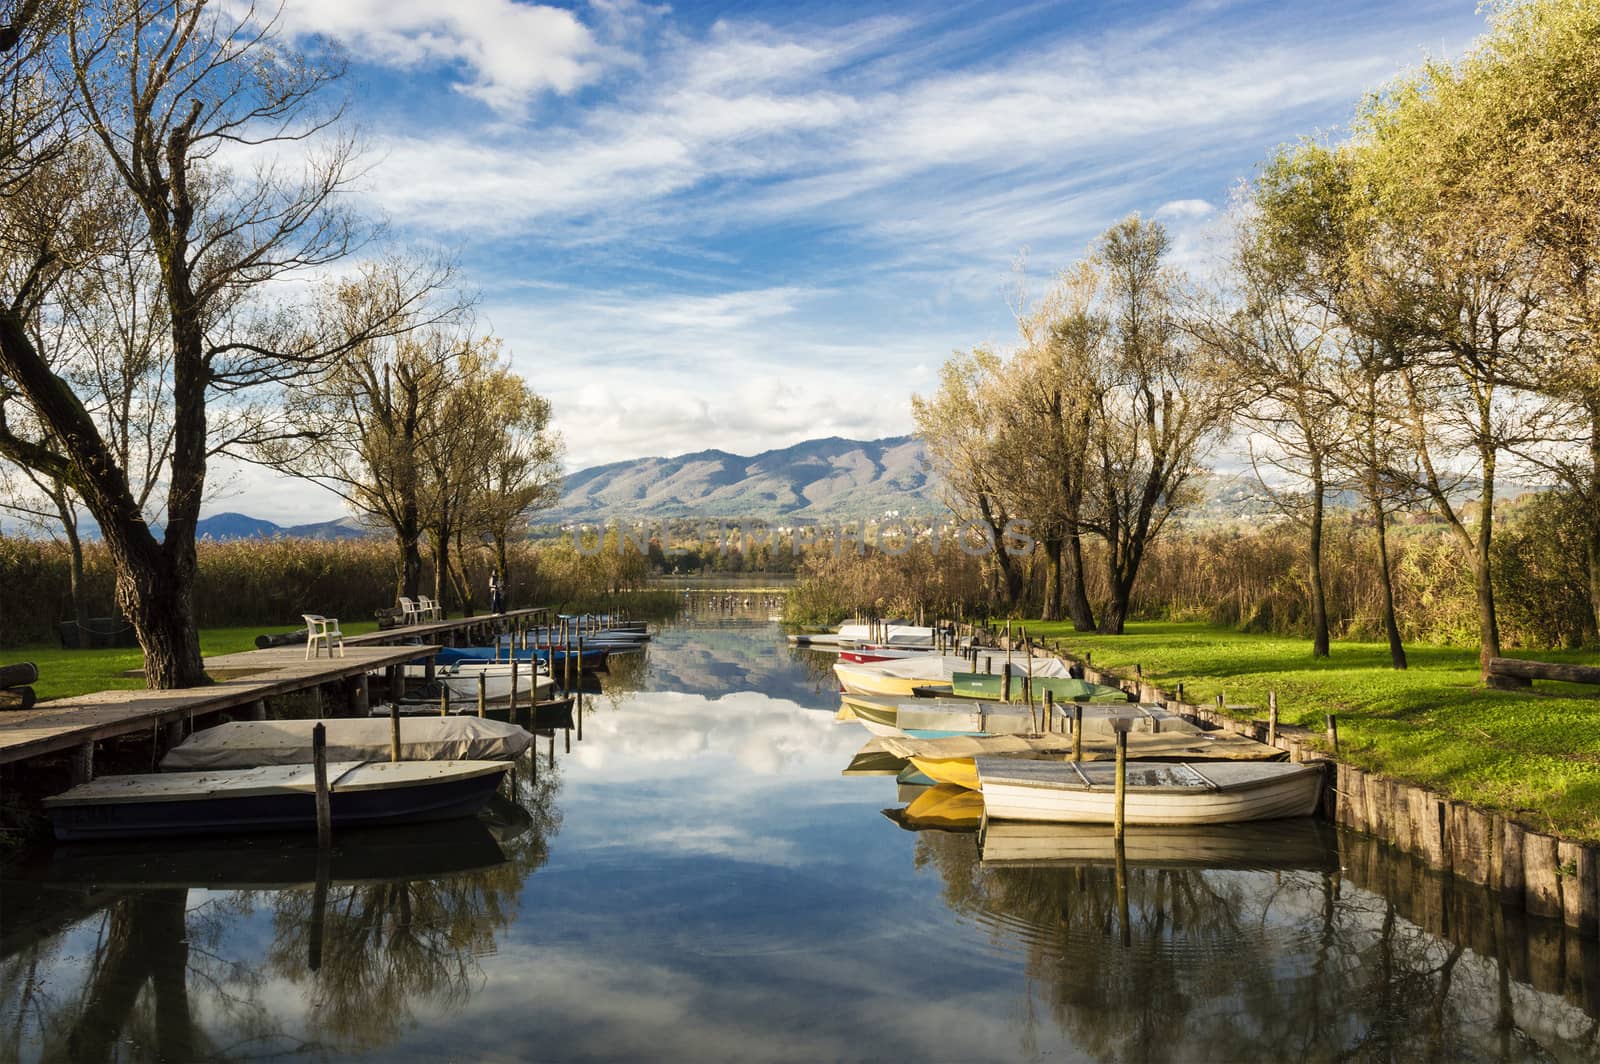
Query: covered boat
<point>250,744</point>
<point>462,679</point>
<point>1060,688</point>
<point>272,798</point>
<point>1157,792</point>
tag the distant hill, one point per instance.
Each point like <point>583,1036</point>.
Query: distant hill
<point>826,478</point>
<point>242,526</point>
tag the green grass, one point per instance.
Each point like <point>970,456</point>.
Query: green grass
<point>64,673</point>
<point>1533,754</point>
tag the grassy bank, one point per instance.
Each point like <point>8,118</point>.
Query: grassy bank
<point>63,673</point>
<point>1535,754</point>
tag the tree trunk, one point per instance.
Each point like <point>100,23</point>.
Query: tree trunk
<point>1077,595</point>
<point>157,602</point>
<point>1051,610</point>
<point>80,609</point>
<point>1483,571</point>
<point>1115,615</point>
<point>1319,595</point>
<point>1593,496</point>
<point>1397,650</point>
<point>441,566</point>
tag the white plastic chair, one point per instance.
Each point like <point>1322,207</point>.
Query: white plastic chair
<point>409,612</point>
<point>428,609</point>
<point>322,632</point>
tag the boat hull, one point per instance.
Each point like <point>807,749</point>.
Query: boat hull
<point>443,799</point>
<point>1023,790</point>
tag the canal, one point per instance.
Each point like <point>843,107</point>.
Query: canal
<point>696,877</point>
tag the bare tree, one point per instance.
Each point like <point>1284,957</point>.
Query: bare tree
<point>964,443</point>
<point>179,95</point>
<point>1162,405</point>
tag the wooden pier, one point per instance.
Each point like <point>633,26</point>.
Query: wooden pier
<point>444,632</point>
<point>243,682</point>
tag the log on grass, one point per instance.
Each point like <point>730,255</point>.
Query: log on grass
<point>12,698</point>
<point>1519,669</point>
<point>282,639</point>
<point>20,675</point>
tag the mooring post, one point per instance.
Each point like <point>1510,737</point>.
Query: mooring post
<point>1117,823</point>
<point>1049,710</point>
<point>483,692</point>
<point>319,912</point>
<point>1005,682</point>
<point>1077,731</point>
<point>257,710</point>
<point>394,730</point>
<point>319,768</point>
<point>82,770</point>
<point>1333,733</point>
<point>363,696</point>
<point>514,664</point>
<point>1272,718</point>
<point>444,699</point>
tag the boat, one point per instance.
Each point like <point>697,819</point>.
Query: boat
<point>462,679</point>
<point>1223,792</point>
<point>271,798</point>
<point>547,713</point>
<point>902,676</point>
<point>591,659</point>
<point>951,760</point>
<point>250,744</point>
<point>874,759</point>
<point>1060,688</point>
<point>1299,844</point>
<point>962,716</point>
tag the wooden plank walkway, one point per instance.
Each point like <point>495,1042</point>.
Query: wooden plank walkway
<point>69,723</point>
<point>430,631</point>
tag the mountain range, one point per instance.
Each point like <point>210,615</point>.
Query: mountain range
<point>825,478</point>
<point>243,526</point>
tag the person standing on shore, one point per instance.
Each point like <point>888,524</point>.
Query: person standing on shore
<point>496,594</point>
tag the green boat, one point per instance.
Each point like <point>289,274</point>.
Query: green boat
<point>1061,688</point>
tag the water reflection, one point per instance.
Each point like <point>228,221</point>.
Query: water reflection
<point>191,951</point>
<point>691,877</point>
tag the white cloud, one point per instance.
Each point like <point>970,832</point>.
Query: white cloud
<point>512,51</point>
<point>1184,208</point>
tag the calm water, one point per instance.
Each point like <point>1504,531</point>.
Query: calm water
<point>697,880</point>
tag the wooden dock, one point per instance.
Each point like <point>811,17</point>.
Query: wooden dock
<point>444,632</point>
<point>243,680</point>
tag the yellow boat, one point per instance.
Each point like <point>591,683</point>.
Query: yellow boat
<point>950,771</point>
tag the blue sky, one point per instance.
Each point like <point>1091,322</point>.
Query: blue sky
<point>742,225</point>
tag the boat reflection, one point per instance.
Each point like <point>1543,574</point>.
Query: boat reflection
<point>1257,948</point>
<point>263,946</point>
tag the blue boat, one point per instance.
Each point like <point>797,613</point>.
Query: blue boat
<point>593,657</point>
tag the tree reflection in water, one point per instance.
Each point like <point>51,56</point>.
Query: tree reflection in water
<point>157,978</point>
<point>1285,964</point>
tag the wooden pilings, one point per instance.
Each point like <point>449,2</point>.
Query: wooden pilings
<point>319,766</point>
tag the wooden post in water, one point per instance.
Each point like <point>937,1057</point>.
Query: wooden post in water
<point>1124,917</point>
<point>1005,682</point>
<point>1333,733</point>
<point>512,715</point>
<point>1077,731</point>
<point>319,769</point>
<point>1118,817</point>
<point>1049,710</point>
<point>1272,718</point>
<point>483,692</point>
<point>394,730</point>
<point>319,913</point>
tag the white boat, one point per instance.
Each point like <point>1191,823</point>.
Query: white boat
<point>251,744</point>
<point>462,680</point>
<point>965,716</point>
<point>1157,792</point>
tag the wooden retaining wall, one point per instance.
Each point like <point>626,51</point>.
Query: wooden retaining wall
<point>1529,870</point>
